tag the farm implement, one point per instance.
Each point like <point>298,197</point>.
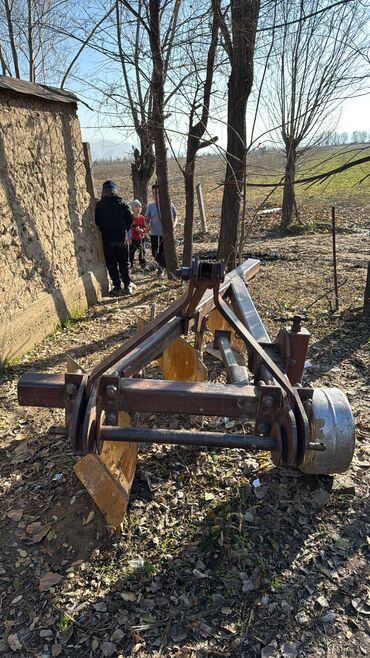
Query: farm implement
<point>311,429</point>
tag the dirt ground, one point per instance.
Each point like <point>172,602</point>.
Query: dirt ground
<point>207,565</point>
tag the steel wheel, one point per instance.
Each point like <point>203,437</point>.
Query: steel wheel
<point>331,423</point>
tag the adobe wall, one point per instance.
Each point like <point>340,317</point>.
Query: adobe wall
<point>50,257</point>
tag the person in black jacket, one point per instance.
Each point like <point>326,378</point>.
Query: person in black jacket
<point>113,218</point>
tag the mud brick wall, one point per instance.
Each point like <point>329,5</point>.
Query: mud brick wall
<point>50,258</point>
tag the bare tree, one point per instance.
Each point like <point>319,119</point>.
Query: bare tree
<point>140,102</point>
<point>239,43</point>
<point>312,72</point>
<point>33,37</point>
<point>156,126</point>
<point>121,37</point>
<point>197,127</point>
<point>140,95</point>
<point>9,38</point>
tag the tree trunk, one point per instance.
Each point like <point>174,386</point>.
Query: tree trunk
<point>367,293</point>
<point>157,130</point>
<point>233,185</point>
<point>142,170</point>
<point>289,202</point>
<point>30,43</point>
<point>189,204</point>
<point>4,68</point>
<point>195,136</point>
<point>244,16</point>
<point>9,19</point>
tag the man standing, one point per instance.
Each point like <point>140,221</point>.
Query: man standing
<point>113,218</point>
<point>153,221</point>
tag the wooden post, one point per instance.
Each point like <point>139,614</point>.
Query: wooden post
<point>203,220</point>
<point>367,293</point>
<point>334,259</point>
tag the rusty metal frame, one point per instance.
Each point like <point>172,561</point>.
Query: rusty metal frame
<point>93,401</point>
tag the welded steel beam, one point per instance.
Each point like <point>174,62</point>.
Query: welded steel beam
<point>109,362</point>
<point>246,311</point>
<point>196,398</point>
<point>42,390</point>
<point>149,349</point>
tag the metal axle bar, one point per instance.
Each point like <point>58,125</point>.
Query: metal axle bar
<point>182,437</point>
<point>237,374</point>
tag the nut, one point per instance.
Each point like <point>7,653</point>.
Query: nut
<point>111,391</point>
<point>71,389</point>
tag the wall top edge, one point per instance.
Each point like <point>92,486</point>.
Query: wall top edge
<point>32,89</point>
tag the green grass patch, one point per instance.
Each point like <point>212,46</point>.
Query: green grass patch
<point>7,364</point>
<point>276,582</point>
<point>64,622</point>
<point>72,320</point>
<point>336,188</point>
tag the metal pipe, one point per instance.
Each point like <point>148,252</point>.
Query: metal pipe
<point>253,344</point>
<point>182,437</point>
<point>237,374</point>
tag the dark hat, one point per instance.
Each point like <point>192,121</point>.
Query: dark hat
<point>109,185</point>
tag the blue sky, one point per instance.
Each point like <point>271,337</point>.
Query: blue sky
<point>354,115</point>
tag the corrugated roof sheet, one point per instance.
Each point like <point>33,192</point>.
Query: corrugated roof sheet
<point>41,91</point>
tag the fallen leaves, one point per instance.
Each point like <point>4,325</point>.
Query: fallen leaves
<point>89,518</point>
<point>48,580</point>
<point>15,515</point>
<point>362,606</point>
<point>36,532</point>
<point>14,642</point>
<point>321,497</point>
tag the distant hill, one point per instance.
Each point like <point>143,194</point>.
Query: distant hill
<point>105,149</point>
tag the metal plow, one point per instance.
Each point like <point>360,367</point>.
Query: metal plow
<point>312,429</point>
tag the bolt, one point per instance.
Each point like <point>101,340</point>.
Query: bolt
<point>267,402</point>
<point>261,383</point>
<point>71,389</point>
<point>111,391</point>
<point>111,419</point>
<point>296,325</point>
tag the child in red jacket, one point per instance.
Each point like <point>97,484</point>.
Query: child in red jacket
<point>138,231</point>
